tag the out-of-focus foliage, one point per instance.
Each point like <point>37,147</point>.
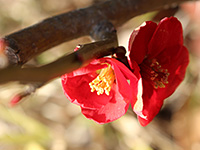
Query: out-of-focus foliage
<point>46,120</point>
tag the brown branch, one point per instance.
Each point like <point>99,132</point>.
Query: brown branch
<point>104,31</point>
<point>63,65</point>
<point>29,42</point>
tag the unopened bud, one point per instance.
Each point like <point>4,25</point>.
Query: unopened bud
<point>15,100</point>
<point>3,57</point>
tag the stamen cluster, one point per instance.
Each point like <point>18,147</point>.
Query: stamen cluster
<point>103,82</point>
<point>152,70</point>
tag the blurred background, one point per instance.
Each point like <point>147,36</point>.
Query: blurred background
<point>46,120</point>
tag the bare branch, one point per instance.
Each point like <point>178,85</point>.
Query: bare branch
<point>63,65</point>
<point>104,31</point>
<point>29,42</point>
<point>94,21</point>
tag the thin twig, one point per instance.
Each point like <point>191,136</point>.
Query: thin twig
<point>61,66</point>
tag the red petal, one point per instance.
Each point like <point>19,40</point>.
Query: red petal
<point>176,66</point>
<point>176,61</point>
<point>139,40</point>
<point>113,110</point>
<point>91,67</point>
<point>168,33</point>
<point>122,74</point>
<point>151,105</point>
<point>77,90</point>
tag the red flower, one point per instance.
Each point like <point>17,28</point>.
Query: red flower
<point>101,89</point>
<point>159,52</point>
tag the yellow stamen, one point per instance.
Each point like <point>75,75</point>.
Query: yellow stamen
<point>104,81</point>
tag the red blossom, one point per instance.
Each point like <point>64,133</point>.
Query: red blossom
<point>162,59</point>
<point>101,89</point>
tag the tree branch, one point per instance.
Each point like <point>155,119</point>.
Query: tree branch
<point>104,32</point>
<point>94,21</point>
<point>29,42</point>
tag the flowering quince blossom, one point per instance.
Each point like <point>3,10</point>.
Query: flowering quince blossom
<point>101,89</point>
<point>162,59</point>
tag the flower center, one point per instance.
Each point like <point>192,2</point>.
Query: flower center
<point>152,70</point>
<point>104,81</point>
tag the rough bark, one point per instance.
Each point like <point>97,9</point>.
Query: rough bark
<point>29,42</point>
